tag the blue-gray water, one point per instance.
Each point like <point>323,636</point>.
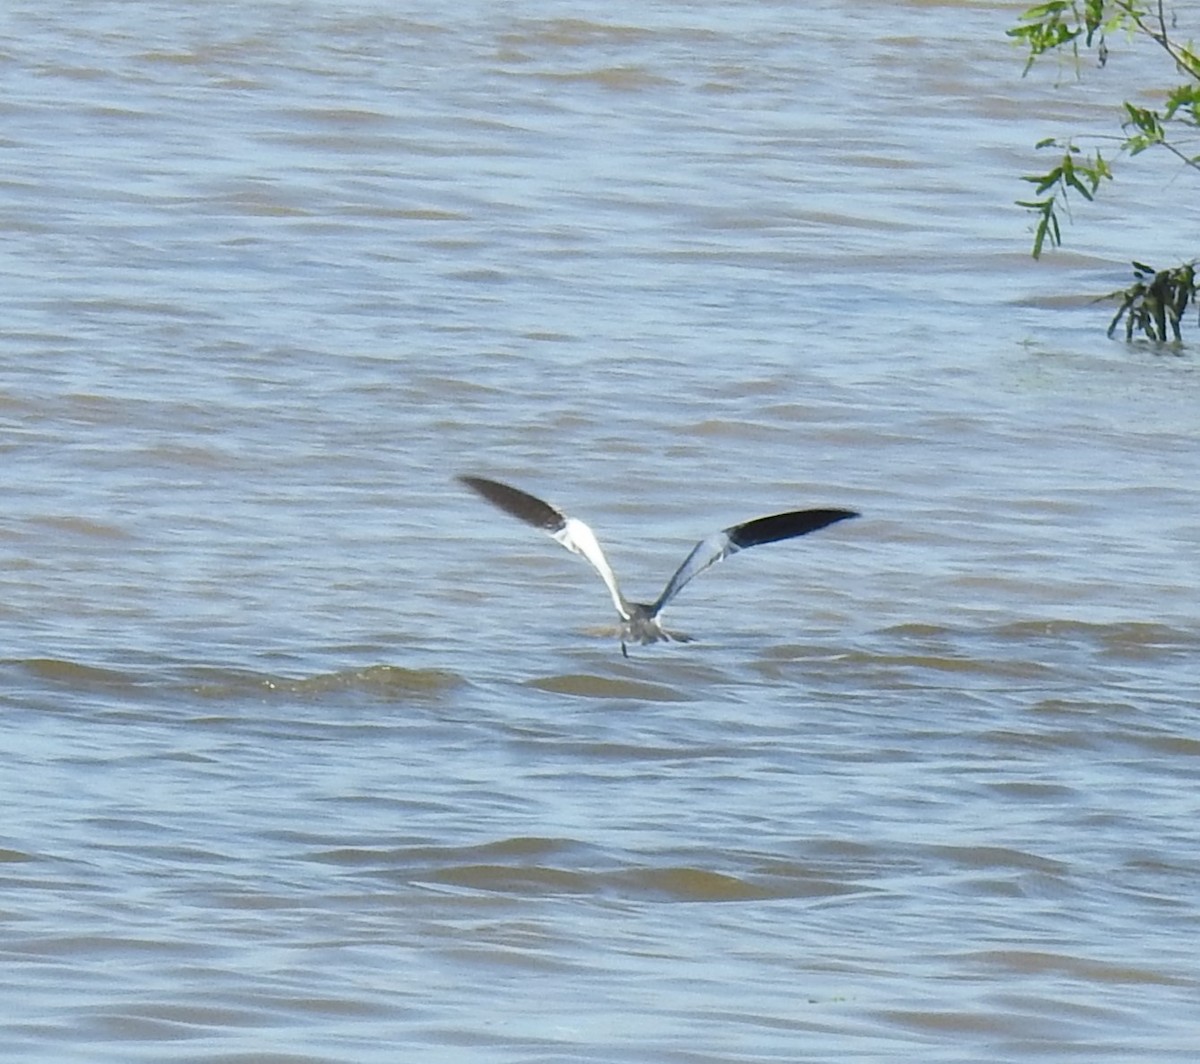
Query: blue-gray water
<point>310,756</point>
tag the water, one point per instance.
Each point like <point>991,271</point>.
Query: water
<point>311,756</point>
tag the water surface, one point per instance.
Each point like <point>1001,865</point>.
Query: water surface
<point>312,757</point>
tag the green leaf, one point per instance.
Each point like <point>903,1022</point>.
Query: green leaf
<point>1046,180</point>
<point>1080,187</point>
<point>1185,98</point>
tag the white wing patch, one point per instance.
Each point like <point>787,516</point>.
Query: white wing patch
<point>707,552</point>
<point>579,539</point>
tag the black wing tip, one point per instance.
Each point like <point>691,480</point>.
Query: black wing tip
<point>515,502</point>
<point>786,526</point>
<point>483,485</point>
<point>472,481</point>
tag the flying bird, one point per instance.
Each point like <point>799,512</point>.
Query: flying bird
<point>640,620</point>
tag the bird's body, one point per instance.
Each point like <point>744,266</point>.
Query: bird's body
<point>641,625</point>
<point>639,620</point>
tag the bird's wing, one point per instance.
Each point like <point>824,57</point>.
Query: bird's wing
<point>729,541</point>
<point>570,532</point>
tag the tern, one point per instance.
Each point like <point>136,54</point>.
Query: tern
<point>640,620</point>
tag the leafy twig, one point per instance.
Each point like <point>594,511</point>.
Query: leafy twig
<point>1156,299</point>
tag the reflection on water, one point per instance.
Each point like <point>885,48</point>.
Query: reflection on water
<point>311,758</point>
